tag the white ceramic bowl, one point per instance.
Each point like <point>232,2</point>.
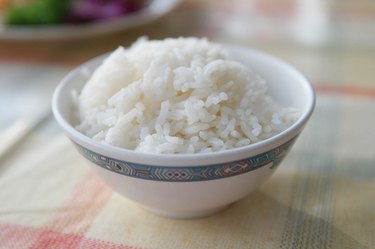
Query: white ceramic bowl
<point>192,185</point>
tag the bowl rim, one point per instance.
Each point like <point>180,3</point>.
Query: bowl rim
<point>266,144</point>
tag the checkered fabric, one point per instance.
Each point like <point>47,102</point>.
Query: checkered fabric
<point>321,196</point>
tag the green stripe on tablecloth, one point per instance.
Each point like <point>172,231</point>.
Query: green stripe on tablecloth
<point>307,222</point>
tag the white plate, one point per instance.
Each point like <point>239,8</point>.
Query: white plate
<point>154,10</point>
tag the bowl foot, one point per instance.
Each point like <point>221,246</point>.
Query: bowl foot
<point>185,214</point>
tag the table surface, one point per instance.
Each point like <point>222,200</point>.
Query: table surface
<point>322,195</point>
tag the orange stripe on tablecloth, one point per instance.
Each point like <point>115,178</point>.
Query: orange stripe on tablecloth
<point>43,58</point>
<point>77,214</point>
<point>91,194</point>
<point>275,8</point>
<point>346,90</point>
<point>359,12</point>
<point>13,236</point>
<point>289,8</point>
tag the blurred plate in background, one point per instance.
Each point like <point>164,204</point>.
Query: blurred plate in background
<point>149,13</point>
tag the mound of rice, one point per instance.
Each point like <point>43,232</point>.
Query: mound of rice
<point>180,95</point>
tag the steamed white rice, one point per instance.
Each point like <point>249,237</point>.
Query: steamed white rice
<point>182,95</point>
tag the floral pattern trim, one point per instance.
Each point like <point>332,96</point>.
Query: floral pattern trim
<point>270,158</point>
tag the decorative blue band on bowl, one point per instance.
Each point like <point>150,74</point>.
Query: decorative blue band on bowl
<point>270,158</point>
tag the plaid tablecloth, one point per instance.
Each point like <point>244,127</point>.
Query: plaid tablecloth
<point>322,195</point>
